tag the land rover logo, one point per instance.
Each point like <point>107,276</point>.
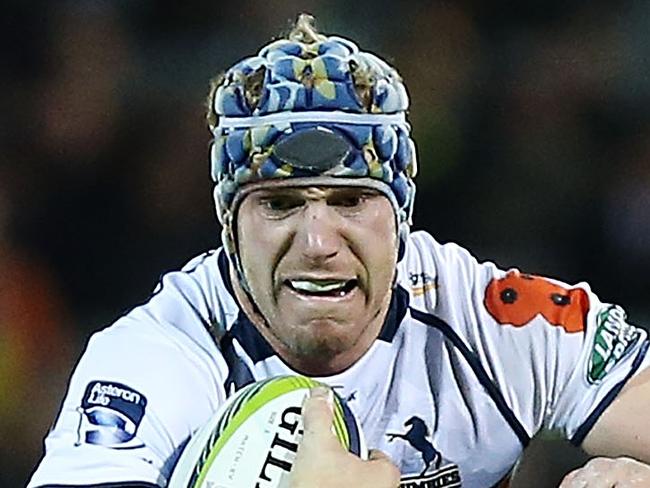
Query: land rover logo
<point>613,339</point>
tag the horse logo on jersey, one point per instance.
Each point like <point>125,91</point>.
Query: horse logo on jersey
<point>517,298</point>
<point>110,415</point>
<point>417,437</point>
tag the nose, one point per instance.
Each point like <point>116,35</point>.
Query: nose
<point>319,235</point>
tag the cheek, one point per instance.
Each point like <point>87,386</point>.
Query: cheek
<point>260,246</point>
<point>384,229</point>
<point>378,248</point>
<point>384,270</point>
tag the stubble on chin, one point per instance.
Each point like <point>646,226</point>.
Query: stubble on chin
<point>308,346</point>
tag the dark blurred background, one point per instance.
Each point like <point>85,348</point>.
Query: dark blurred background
<point>532,121</point>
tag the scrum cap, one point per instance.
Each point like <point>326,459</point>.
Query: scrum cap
<point>310,110</point>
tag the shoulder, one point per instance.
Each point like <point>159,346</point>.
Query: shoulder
<point>145,383</point>
<point>196,301</point>
<point>433,272</point>
<point>173,332</point>
<point>423,251</point>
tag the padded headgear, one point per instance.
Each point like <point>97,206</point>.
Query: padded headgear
<point>316,111</point>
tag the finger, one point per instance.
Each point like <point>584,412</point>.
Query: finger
<point>587,478</point>
<point>569,479</point>
<point>317,417</point>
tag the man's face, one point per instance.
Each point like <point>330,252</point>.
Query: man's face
<point>320,263</point>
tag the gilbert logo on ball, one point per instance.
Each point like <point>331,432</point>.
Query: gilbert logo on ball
<point>252,440</point>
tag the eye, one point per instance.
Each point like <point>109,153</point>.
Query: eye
<point>347,201</point>
<point>349,198</point>
<point>280,203</point>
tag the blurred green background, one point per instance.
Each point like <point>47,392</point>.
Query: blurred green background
<point>532,122</point>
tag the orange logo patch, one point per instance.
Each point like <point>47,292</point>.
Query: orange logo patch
<point>517,298</point>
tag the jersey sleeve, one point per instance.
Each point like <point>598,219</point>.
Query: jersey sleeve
<point>556,353</point>
<point>140,389</point>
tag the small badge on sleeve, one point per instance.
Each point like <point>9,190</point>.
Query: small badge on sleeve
<point>110,415</point>
<point>613,339</point>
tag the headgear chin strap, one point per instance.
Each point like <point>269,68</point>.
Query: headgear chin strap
<point>310,113</point>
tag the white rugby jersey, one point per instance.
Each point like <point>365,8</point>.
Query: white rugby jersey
<point>471,362</point>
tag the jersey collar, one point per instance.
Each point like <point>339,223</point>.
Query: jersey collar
<point>258,349</point>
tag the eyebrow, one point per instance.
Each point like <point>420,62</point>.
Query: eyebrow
<point>329,190</point>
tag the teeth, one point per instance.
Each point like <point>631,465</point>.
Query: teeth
<point>323,286</point>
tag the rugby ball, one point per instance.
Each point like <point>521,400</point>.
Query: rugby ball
<point>252,439</point>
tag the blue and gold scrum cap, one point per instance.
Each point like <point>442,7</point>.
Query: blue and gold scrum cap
<point>311,110</point>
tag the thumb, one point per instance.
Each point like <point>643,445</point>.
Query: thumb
<point>382,467</point>
<point>377,455</point>
<point>317,418</point>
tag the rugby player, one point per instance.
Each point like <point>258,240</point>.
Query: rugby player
<point>451,365</point>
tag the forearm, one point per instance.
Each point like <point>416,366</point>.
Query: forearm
<point>623,429</point>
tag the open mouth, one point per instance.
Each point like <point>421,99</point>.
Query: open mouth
<point>322,288</point>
